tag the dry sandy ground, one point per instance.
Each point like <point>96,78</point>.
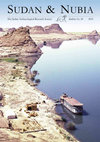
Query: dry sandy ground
<point>17,92</point>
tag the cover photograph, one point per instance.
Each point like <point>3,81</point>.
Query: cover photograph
<point>49,71</point>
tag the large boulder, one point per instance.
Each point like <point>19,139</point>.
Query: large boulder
<point>54,28</point>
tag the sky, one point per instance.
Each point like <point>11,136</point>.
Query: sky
<point>71,23</point>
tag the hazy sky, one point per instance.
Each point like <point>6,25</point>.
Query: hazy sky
<point>69,24</point>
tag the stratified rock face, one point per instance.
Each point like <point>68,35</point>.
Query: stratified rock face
<point>18,42</point>
<point>19,37</point>
<point>37,30</point>
<point>11,30</point>
<point>54,28</point>
<point>1,30</point>
<point>94,33</point>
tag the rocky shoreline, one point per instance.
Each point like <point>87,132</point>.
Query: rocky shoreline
<point>26,114</point>
<point>38,124</point>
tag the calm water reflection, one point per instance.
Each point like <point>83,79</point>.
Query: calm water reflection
<point>74,68</point>
<point>54,44</point>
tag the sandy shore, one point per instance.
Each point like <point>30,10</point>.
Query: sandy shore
<point>38,125</point>
<point>40,38</point>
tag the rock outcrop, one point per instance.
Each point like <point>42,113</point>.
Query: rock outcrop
<point>1,30</point>
<point>93,35</point>
<point>11,30</point>
<point>21,42</point>
<point>37,30</point>
<point>54,28</point>
<point>18,37</point>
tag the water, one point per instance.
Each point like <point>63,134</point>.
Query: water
<point>74,68</point>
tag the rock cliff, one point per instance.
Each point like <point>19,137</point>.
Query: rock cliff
<point>54,28</point>
<point>18,37</point>
<point>21,42</point>
<point>37,30</point>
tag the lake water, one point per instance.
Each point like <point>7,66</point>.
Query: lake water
<point>74,68</point>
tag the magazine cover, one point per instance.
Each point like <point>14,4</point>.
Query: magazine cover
<point>49,71</point>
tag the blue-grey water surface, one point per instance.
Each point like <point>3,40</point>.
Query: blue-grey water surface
<point>74,68</point>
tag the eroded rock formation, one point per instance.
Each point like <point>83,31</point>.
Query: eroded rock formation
<point>37,30</point>
<point>18,37</point>
<point>19,42</point>
<point>54,28</point>
<point>11,30</point>
<point>93,35</point>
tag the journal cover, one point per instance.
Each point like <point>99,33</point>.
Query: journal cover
<point>49,71</point>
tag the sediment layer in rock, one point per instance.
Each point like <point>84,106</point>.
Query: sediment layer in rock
<point>19,37</point>
<point>20,42</point>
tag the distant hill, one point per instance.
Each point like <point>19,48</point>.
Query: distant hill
<point>37,30</point>
<point>93,34</point>
<point>54,28</point>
